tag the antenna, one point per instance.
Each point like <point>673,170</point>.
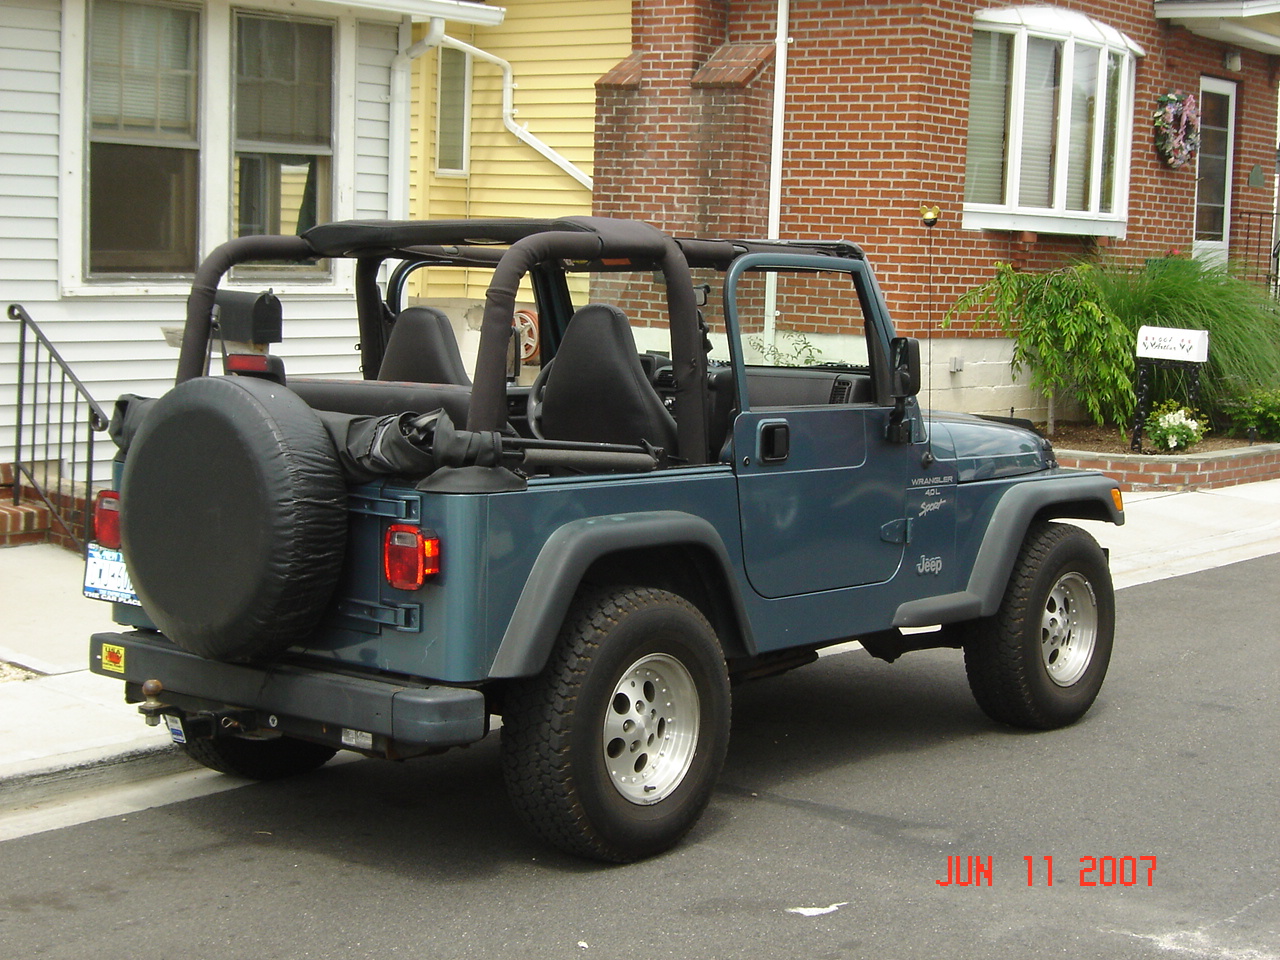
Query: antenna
<point>929,216</point>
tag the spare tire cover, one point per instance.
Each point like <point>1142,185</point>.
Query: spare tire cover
<point>233,517</point>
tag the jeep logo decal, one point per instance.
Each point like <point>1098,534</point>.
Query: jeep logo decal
<point>929,565</point>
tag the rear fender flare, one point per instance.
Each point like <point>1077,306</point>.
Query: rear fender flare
<point>566,557</point>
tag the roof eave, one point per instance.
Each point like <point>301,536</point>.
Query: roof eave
<point>455,11</point>
<point>1237,22</point>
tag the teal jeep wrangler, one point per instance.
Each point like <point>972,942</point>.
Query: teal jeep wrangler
<point>692,491</point>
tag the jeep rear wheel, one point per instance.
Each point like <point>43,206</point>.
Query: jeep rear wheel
<point>1040,661</point>
<point>613,751</point>
<point>267,759</point>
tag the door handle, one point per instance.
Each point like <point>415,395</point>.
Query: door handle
<point>774,441</point>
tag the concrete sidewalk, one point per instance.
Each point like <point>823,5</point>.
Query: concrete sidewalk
<point>68,723</point>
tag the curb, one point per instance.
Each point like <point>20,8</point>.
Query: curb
<point>28,785</point>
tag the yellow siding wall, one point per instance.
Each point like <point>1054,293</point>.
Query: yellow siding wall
<point>557,51</point>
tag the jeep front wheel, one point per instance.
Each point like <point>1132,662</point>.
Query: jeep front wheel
<point>613,751</point>
<point>1040,661</point>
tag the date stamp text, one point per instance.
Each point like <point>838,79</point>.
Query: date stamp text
<point>971,871</point>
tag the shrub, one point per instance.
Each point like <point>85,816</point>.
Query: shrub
<point>803,352</point>
<point>1073,343</point>
<point>1172,426</point>
<point>1077,329</point>
<point>1257,410</point>
<point>1242,319</point>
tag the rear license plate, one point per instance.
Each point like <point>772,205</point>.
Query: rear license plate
<point>105,576</point>
<point>176,731</point>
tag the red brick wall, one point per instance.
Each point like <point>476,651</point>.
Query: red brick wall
<point>1187,472</point>
<point>877,112</point>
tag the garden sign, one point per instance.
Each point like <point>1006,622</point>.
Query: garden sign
<point>1172,348</point>
<point>1173,343</point>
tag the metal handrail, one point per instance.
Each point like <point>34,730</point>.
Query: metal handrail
<point>48,382</point>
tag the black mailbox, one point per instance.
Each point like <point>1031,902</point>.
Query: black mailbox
<point>245,317</point>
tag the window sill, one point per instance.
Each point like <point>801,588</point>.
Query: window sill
<point>181,288</point>
<point>1080,225</point>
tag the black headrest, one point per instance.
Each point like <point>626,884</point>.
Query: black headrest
<point>597,390</point>
<point>423,349</point>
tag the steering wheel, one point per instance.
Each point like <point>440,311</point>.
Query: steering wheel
<point>533,404</point>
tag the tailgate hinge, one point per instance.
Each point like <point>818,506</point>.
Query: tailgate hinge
<point>388,505</point>
<point>400,616</point>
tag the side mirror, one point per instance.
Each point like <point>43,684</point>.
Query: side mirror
<point>904,366</point>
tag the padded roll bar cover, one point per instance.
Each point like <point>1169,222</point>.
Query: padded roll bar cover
<point>233,517</point>
<point>598,237</point>
<point>204,288</point>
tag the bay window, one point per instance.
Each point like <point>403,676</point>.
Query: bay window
<point>1050,108</point>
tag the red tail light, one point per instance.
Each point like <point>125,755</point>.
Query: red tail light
<point>409,556</point>
<point>247,363</point>
<point>262,365</point>
<point>106,519</point>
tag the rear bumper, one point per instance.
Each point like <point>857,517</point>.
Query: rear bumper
<point>424,715</point>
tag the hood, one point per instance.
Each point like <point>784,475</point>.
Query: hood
<point>985,448</point>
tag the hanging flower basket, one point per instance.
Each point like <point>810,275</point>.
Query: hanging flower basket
<point>1177,123</point>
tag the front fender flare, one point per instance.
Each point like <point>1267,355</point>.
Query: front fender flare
<point>565,558</point>
<point>1085,496</point>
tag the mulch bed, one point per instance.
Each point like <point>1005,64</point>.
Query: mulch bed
<point>1111,439</point>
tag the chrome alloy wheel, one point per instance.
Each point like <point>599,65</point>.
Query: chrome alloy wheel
<point>651,728</point>
<point>1068,629</point>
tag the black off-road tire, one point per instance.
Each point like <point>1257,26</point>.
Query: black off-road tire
<point>1040,661</point>
<point>613,751</point>
<point>269,759</point>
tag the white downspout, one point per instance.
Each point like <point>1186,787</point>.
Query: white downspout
<point>398,161</point>
<point>774,216</point>
<point>509,110</point>
<point>400,98</point>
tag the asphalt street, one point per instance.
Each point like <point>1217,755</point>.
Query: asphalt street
<point>851,788</point>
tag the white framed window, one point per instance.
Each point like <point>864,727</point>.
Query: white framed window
<point>283,106</point>
<point>144,147</point>
<point>1050,108</point>
<point>199,121</point>
<point>453,113</point>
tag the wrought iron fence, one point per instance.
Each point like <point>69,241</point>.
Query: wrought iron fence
<point>1256,249</point>
<point>54,434</point>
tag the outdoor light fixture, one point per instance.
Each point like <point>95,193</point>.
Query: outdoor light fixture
<point>1231,60</point>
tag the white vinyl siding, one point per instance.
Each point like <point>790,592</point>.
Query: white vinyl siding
<point>30,33</point>
<point>111,334</point>
<point>29,99</point>
<point>373,120</point>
